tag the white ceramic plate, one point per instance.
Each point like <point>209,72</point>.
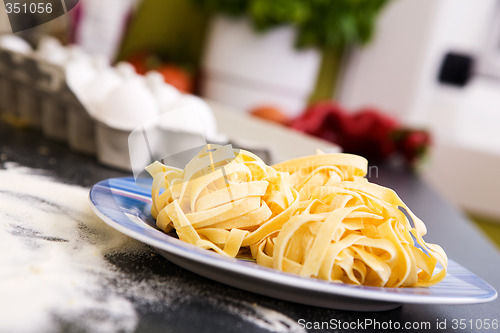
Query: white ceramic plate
<point>125,206</point>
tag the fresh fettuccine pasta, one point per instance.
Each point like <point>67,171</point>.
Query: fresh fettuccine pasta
<point>315,216</point>
<point>224,200</point>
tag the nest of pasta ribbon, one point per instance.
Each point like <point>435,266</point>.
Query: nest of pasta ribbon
<point>315,216</point>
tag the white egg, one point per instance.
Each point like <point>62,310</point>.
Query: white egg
<point>164,93</point>
<point>76,53</point>
<point>14,43</point>
<point>100,62</point>
<point>126,70</point>
<point>128,105</point>
<point>51,50</point>
<point>191,114</point>
<point>99,87</point>
<point>80,69</point>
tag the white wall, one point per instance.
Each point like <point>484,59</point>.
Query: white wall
<point>244,69</point>
<point>388,73</point>
<point>398,70</point>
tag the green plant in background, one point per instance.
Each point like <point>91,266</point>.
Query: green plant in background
<point>330,25</point>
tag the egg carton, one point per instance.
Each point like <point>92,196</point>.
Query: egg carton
<point>37,93</point>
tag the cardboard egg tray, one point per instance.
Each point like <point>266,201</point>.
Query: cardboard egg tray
<point>37,93</point>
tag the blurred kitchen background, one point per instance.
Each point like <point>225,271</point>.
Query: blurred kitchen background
<point>411,82</point>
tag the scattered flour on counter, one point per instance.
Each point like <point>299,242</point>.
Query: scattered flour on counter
<point>17,168</point>
<point>53,266</point>
<point>52,251</point>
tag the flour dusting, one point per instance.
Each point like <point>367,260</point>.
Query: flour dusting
<point>52,257</point>
<point>53,252</point>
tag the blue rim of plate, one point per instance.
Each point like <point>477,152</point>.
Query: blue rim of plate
<point>124,205</point>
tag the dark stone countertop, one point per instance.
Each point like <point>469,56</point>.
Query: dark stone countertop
<point>446,226</point>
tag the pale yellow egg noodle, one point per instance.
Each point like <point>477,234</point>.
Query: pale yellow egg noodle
<point>315,216</point>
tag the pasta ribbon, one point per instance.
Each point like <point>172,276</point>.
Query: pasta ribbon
<point>315,216</point>
<point>224,200</point>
